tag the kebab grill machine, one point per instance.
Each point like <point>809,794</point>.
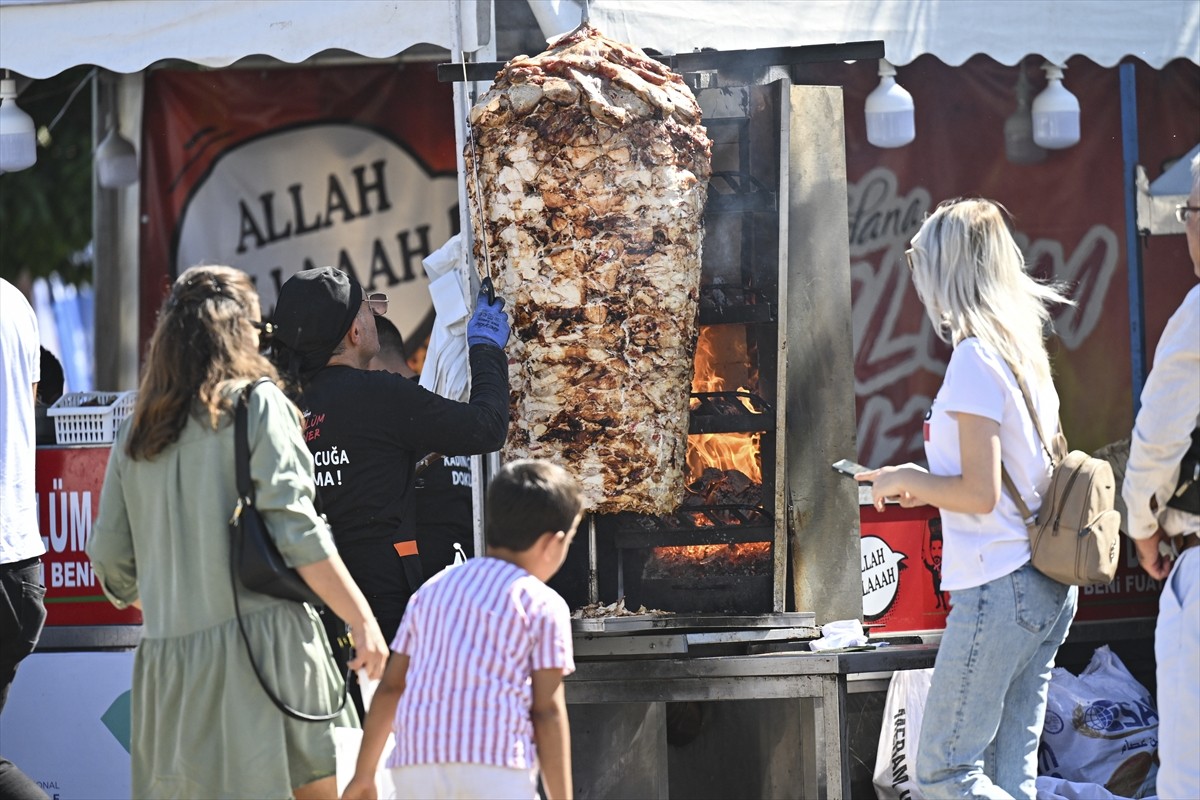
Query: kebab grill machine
<point>733,537</point>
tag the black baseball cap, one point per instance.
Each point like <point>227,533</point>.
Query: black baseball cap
<point>315,309</point>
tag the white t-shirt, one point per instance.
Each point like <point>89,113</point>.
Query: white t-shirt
<point>978,548</point>
<point>20,369</point>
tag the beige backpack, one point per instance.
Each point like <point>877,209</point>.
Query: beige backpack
<point>1076,537</point>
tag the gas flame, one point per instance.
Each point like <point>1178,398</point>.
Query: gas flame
<point>719,352</point>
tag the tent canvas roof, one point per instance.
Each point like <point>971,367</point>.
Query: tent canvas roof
<point>40,38</point>
<point>1105,31</point>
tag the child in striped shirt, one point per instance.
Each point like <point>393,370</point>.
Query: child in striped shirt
<point>476,673</point>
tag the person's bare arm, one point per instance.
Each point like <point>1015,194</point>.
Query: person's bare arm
<point>975,491</point>
<point>551,733</point>
<point>376,728</point>
<point>330,579</point>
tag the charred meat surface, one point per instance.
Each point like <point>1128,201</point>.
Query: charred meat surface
<point>589,174</point>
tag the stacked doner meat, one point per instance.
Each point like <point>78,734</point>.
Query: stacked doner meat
<point>592,168</point>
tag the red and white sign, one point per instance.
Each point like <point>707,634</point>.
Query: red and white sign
<point>902,575</point>
<point>68,497</point>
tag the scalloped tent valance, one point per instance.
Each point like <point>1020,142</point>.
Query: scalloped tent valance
<point>41,38</point>
<point>1105,31</point>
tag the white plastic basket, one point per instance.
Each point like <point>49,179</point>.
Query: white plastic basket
<point>90,417</point>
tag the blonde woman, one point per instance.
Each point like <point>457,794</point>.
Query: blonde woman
<point>202,724</point>
<point>1007,620</point>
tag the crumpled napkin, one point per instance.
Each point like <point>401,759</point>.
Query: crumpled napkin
<point>838,634</point>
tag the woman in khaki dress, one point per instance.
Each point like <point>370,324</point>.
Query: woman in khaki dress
<point>202,724</point>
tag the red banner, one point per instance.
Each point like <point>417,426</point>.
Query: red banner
<point>277,170</point>
<point>902,576</point>
<point>68,496</point>
<point>1069,214</point>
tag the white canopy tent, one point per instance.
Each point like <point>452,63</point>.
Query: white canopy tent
<point>41,38</point>
<point>1105,31</point>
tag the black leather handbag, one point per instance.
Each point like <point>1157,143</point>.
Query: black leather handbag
<point>260,567</point>
<point>255,562</point>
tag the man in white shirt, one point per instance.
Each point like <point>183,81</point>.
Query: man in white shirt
<point>22,611</point>
<point>1163,531</point>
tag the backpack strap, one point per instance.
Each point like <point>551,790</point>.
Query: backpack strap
<point>1059,442</point>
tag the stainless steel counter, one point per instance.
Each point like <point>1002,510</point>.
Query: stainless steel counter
<point>816,681</point>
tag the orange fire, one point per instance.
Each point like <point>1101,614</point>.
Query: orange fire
<point>728,554</point>
<point>721,352</point>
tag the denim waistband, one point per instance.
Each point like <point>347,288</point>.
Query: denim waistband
<point>22,564</point>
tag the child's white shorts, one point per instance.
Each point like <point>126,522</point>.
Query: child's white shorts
<point>465,781</point>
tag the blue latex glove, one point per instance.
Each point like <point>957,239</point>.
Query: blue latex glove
<point>489,323</point>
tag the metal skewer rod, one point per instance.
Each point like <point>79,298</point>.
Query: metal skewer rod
<point>593,584</point>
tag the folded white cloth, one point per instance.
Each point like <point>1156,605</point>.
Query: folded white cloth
<point>840,633</point>
<point>447,369</point>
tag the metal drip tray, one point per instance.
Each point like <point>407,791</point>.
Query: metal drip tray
<point>658,636</point>
<point>640,623</point>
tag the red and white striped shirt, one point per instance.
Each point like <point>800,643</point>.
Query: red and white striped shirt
<point>474,635</point>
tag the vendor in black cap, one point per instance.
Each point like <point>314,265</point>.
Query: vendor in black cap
<point>366,429</point>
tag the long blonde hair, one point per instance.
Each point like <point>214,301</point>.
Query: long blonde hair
<point>205,341</point>
<point>970,273</point>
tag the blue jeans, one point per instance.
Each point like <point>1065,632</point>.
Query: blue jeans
<point>987,699</point>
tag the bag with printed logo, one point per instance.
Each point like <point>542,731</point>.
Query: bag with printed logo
<point>1101,728</point>
<point>1076,536</point>
<point>896,759</point>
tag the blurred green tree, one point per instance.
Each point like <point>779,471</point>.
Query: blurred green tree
<point>46,210</point>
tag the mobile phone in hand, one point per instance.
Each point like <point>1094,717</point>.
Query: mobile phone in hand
<point>849,468</point>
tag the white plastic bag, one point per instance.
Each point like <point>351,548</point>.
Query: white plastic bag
<point>347,742</point>
<point>896,759</point>
<point>1101,728</point>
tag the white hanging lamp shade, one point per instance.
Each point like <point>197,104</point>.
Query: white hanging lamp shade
<point>116,161</point>
<point>1055,112</point>
<point>889,111</point>
<point>1019,146</point>
<point>18,139</point>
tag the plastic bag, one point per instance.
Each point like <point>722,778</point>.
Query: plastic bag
<point>896,759</point>
<point>347,742</point>
<point>1101,728</point>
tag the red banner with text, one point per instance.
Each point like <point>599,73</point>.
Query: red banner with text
<point>277,170</point>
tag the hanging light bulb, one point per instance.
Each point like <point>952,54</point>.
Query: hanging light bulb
<point>889,110</point>
<point>116,160</point>
<point>1055,112</point>
<point>1019,146</point>
<point>18,141</point>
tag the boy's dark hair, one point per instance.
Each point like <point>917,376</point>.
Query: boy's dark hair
<point>528,498</point>
<point>390,338</point>
<point>50,387</point>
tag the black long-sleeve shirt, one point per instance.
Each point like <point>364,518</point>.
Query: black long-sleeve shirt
<point>366,430</point>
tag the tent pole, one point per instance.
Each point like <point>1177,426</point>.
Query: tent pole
<point>1133,241</point>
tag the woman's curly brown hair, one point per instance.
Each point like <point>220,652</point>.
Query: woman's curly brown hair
<point>205,342</point>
